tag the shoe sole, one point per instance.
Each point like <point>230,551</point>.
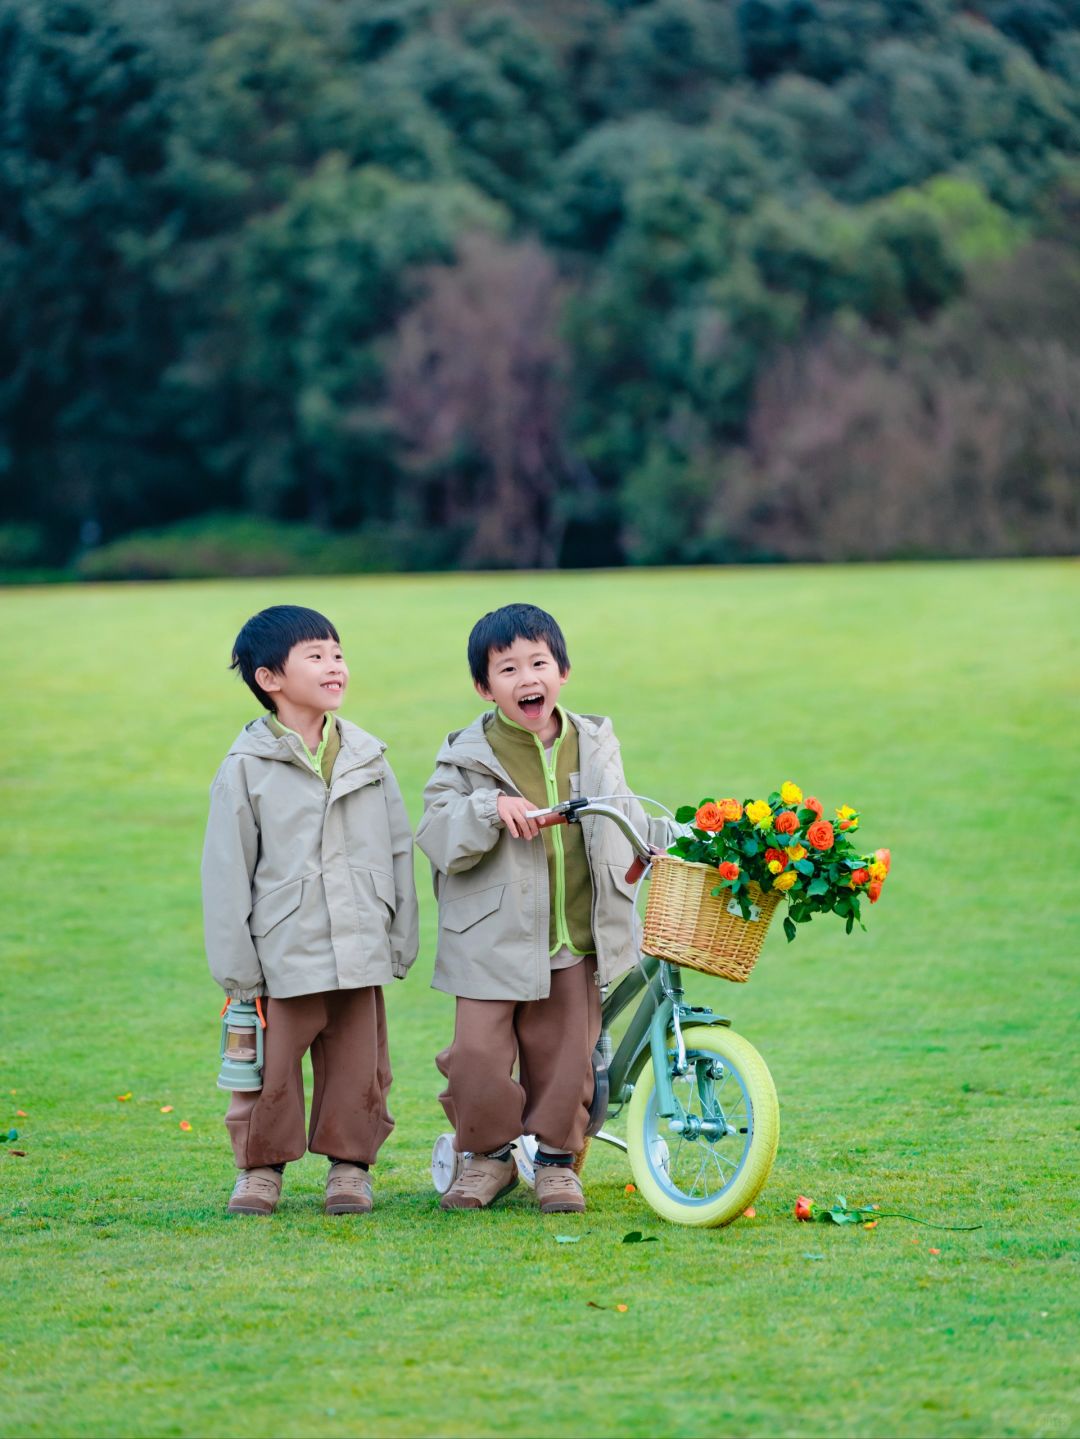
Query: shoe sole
<point>256,1213</point>
<point>505,1190</point>
<point>347,1208</point>
<point>562,1208</point>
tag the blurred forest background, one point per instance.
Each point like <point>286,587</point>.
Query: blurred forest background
<point>338,285</point>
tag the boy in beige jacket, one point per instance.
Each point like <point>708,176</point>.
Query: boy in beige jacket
<point>531,922</point>
<point>308,899</point>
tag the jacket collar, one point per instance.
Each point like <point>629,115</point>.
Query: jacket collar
<point>469,748</point>
<point>358,748</point>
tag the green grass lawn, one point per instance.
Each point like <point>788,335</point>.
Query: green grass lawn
<point>929,1065</point>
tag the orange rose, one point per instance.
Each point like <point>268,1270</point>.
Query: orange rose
<point>709,817</point>
<point>883,857</point>
<point>786,822</point>
<point>820,834</point>
<point>779,855</point>
<point>804,1207</point>
<point>875,890</point>
<point>729,870</point>
<point>731,809</point>
<point>811,803</point>
<point>860,876</point>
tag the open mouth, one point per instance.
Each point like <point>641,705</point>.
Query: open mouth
<point>334,685</point>
<point>532,706</point>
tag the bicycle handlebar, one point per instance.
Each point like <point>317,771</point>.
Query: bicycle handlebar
<point>571,811</point>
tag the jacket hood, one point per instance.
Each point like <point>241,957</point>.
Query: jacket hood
<point>470,749</point>
<point>259,740</point>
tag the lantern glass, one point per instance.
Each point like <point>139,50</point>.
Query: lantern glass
<point>240,1044</point>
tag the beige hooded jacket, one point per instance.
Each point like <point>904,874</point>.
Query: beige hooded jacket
<point>493,889</point>
<point>305,888</point>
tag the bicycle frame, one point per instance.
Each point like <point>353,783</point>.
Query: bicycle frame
<point>662,1010</point>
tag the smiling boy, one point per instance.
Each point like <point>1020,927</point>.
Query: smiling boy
<point>528,928</point>
<point>308,899</point>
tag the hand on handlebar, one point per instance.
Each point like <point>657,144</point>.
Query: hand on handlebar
<point>514,813</point>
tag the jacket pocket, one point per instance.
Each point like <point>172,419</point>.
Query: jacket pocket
<point>385,889</point>
<point>460,914</point>
<point>618,878</point>
<point>274,907</point>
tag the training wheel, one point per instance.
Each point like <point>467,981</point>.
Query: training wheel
<point>525,1159</point>
<point>446,1163</point>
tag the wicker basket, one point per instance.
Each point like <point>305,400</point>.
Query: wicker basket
<point>686,924</point>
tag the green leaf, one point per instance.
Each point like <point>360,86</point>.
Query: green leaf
<point>804,866</point>
<point>789,928</point>
<point>708,800</point>
<point>636,1237</point>
<point>685,813</point>
<point>818,886</point>
<point>850,925</point>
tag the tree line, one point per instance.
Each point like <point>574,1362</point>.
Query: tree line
<point>588,282</point>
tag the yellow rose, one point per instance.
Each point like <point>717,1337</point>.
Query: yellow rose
<point>759,813</point>
<point>848,817</point>
<point>878,870</point>
<point>785,880</point>
<point>774,866</point>
<point>790,792</point>
<point>797,851</point>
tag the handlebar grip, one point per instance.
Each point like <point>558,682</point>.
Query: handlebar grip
<point>545,821</point>
<point>636,870</point>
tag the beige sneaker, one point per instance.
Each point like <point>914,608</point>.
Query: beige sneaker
<point>559,1190</point>
<point>256,1191</point>
<point>480,1183</point>
<point>348,1190</point>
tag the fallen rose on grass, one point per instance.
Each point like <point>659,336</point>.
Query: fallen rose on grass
<point>840,1212</point>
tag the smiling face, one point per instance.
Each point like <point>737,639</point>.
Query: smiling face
<point>311,681</point>
<point>524,681</point>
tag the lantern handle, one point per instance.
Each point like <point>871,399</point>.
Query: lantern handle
<point>258,1011</point>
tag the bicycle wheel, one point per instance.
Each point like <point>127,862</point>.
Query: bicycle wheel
<point>707,1171</point>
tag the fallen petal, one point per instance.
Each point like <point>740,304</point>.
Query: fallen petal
<point>630,1189</point>
<point>18,1153</point>
<point>935,1251</point>
<point>871,1224</point>
<point>184,1124</point>
<point>166,1109</point>
<point>123,1097</point>
<point>750,1213</point>
<point>622,1308</point>
<point>21,1114</point>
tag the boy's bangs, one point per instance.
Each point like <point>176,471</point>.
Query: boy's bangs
<point>499,629</point>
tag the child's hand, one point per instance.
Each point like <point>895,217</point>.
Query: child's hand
<point>513,811</point>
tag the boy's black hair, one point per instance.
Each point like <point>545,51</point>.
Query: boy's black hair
<point>499,629</point>
<point>268,637</point>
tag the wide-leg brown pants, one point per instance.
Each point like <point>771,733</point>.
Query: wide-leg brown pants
<point>552,1040</point>
<point>345,1029</point>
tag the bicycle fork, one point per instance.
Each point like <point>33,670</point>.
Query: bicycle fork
<point>669,1014</point>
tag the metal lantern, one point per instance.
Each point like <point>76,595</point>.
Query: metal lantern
<point>242,1027</point>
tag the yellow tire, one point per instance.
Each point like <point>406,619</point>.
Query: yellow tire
<point>707,1172</point>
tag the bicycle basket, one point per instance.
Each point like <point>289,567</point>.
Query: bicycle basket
<point>688,925</point>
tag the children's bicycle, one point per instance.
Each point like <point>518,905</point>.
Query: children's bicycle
<point>703,1120</point>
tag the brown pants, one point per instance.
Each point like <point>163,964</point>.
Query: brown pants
<point>552,1040</point>
<point>345,1030</point>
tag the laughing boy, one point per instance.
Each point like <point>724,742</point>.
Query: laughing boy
<point>529,927</point>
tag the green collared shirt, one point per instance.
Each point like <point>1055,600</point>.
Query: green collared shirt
<point>322,761</point>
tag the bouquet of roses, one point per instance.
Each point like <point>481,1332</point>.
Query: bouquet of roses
<point>784,844</point>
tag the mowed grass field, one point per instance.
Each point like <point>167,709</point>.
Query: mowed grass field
<point>929,1065</point>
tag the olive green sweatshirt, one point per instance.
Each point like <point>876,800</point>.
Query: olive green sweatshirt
<point>545,782</point>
